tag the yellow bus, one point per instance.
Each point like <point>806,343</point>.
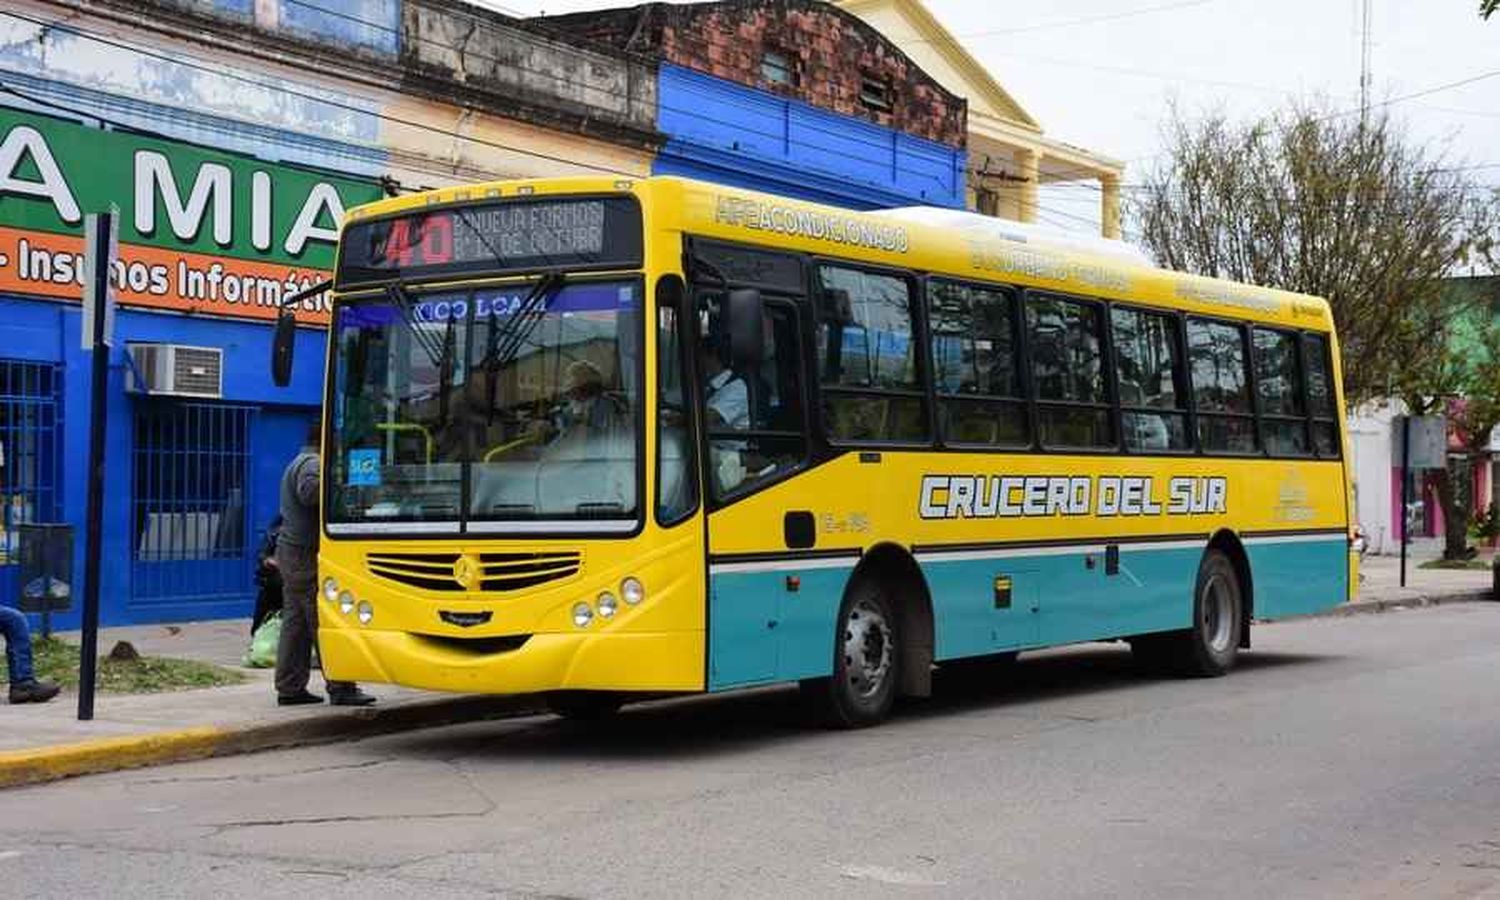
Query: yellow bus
<point>608,438</point>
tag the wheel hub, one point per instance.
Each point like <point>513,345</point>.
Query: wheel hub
<point>867,649</point>
<point>1218,613</point>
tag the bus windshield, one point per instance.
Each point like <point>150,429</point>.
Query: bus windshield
<point>497,409</point>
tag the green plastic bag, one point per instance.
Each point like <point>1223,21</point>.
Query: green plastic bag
<point>262,652</point>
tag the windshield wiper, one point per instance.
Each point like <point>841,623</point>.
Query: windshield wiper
<point>530,312</point>
<point>445,369</point>
<point>529,315</point>
<point>401,298</point>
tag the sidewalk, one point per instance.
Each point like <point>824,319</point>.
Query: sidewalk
<point>1381,585</point>
<point>46,742</point>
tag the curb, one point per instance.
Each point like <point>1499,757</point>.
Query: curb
<point>43,764</point>
<point>1419,601</point>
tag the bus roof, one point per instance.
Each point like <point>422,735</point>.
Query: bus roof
<point>942,242</point>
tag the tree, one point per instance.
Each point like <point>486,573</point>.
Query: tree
<point>1344,207</point>
<point>1461,380</point>
<point>1323,204</point>
<point>1487,7</point>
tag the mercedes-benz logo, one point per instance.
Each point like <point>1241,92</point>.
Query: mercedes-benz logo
<point>466,573</point>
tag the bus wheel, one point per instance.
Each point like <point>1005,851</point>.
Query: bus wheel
<point>584,706</point>
<point>1211,645</point>
<point>866,662</point>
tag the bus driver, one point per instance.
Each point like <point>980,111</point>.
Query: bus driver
<point>727,401</point>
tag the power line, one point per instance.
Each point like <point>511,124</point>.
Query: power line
<point>743,127</point>
<point>1383,104</point>
<point>1069,23</point>
<point>58,107</point>
<point>336,104</point>
<point>1174,77</point>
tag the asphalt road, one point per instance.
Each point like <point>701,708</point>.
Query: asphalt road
<point>1353,757</point>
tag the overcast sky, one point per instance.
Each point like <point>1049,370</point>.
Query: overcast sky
<point>1099,73</point>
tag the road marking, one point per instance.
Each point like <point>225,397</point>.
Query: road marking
<point>886,875</point>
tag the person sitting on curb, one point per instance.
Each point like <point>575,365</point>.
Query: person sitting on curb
<point>24,686</point>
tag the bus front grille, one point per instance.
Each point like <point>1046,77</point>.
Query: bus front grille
<point>514,571</point>
<point>496,572</point>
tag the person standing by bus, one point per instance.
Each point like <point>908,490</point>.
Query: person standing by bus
<point>297,560</point>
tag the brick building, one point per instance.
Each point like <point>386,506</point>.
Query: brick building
<point>792,96</point>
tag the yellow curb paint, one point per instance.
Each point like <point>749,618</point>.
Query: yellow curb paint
<point>107,755</point>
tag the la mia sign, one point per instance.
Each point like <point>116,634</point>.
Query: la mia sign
<point>211,196</point>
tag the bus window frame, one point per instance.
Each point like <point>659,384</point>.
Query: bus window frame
<point>1181,378</point>
<point>685,352</point>
<point>1264,418</point>
<point>774,294</point>
<point>570,529</point>
<point>1111,405</point>
<point>746,489</point>
<point>1012,293</point>
<point>1303,337</point>
<point>821,446</point>
<point>1243,327</point>
<point>923,393</point>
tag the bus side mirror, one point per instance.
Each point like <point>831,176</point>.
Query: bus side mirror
<point>745,311</point>
<point>282,345</point>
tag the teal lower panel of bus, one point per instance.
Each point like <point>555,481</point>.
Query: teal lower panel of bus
<point>762,631</point>
<point>1294,577</point>
<point>1059,596</point>
<point>773,622</point>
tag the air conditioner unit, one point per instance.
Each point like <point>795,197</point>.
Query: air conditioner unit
<point>176,370</point>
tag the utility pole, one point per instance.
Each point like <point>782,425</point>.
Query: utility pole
<point>1405,491</point>
<point>1364,61</point>
<point>101,248</point>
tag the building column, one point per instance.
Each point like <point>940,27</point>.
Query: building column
<point>1109,205</point>
<point>1027,163</point>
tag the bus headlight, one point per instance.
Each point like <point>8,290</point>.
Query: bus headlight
<point>366,612</point>
<point>608,605</point>
<point>583,614</point>
<point>632,590</point>
<point>346,603</point>
<point>330,589</point>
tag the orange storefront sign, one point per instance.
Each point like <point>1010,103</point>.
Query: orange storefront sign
<point>40,263</point>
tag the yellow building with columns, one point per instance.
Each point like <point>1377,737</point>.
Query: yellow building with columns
<point>1009,154</point>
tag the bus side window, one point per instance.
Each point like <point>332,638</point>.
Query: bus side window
<point>976,366</point>
<point>1221,387</point>
<point>753,418</point>
<point>1149,369</point>
<point>869,363</point>
<point>1067,370</point>
<point>677,483</point>
<point>1278,382</point>
<point>1320,405</point>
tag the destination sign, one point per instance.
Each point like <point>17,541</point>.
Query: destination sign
<point>568,233</point>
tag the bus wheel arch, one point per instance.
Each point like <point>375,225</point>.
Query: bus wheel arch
<point>894,568</point>
<point>884,627</point>
<point>1229,544</point>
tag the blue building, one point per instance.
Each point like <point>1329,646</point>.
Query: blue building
<point>231,169</point>
<point>795,97</point>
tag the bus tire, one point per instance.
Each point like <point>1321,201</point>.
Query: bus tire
<point>866,662</point>
<point>1209,648</point>
<point>584,706</point>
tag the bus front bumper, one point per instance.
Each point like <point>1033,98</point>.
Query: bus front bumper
<point>617,661</point>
